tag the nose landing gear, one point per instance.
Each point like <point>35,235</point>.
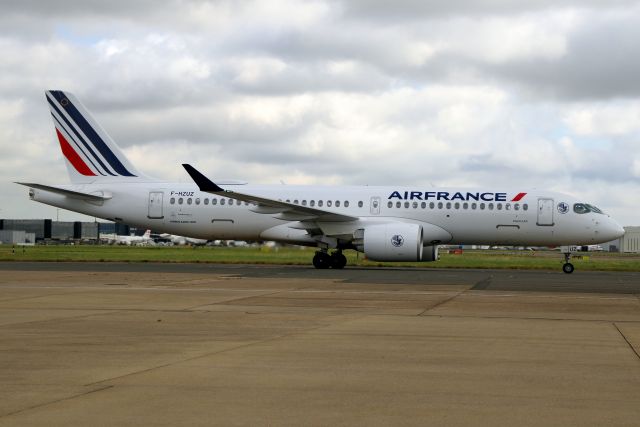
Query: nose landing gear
<point>567,267</point>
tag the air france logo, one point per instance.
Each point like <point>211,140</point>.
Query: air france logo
<point>563,208</point>
<point>397,240</point>
<point>448,196</point>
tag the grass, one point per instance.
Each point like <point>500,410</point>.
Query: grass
<point>539,260</point>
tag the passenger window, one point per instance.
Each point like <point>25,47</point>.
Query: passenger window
<point>328,203</point>
<point>180,201</point>
<point>295,201</point>
<point>490,206</point>
<point>481,206</point>
<point>222,201</point>
<point>440,205</point>
<point>432,205</point>
<point>525,207</point>
<point>465,205</point>
<point>398,205</point>
<point>337,203</point>
<point>423,205</point>
<point>288,200</point>
<point>457,205</point>
<point>499,206</point>
<point>312,203</point>
<point>507,206</point>
<point>415,205</point>
<point>172,201</point>
<point>406,205</point>
<point>320,203</point>
<point>206,201</point>
<point>516,206</point>
<point>474,206</point>
<point>390,204</point>
<point>238,202</point>
<point>214,201</point>
<point>448,205</point>
<point>346,203</point>
<point>304,203</point>
<point>197,201</point>
<point>189,201</point>
<point>360,204</point>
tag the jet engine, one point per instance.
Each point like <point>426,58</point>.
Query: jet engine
<point>391,242</point>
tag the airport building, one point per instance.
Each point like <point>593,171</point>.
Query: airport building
<point>36,230</point>
<point>17,237</point>
<point>629,243</point>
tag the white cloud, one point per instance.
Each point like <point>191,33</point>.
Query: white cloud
<point>459,92</point>
<point>604,119</point>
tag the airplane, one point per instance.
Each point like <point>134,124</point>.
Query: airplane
<point>183,240</point>
<point>145,239</point>
<point>386,223</point>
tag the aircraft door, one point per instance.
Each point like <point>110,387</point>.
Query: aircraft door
<point>155,205</point>
<point>375,205</point>
<point>545,212</point>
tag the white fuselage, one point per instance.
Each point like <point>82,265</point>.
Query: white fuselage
<point>450,216</point>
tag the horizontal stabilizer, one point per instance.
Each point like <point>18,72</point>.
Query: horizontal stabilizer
<point>65,192</point>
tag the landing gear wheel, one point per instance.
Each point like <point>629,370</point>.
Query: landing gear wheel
<point>568,268</point>
<point>321,260</point>
<point>338,260</point>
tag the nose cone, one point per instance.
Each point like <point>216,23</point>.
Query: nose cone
<point>611,230</point>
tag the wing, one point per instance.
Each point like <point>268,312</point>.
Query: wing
<point>281,210</point>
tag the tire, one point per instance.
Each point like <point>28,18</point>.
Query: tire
<point>568,268</point>
<point>338,260</point>
<point>321,260</point>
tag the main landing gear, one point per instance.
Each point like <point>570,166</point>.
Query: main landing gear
<point>322,260</point>
<point>567,267</point>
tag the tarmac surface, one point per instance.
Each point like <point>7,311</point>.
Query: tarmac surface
<point>201,344</point>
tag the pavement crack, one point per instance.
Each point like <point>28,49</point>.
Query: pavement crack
<point>482,284</point>
<point>627,341</point>
<point>440,303</point>
<point>56,401</point>
<point>188,359</point>
<point>234,300</point>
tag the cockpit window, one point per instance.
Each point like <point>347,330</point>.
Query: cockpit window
<point>583,208</point>
<point>594,209</point>
<point>580,208</point>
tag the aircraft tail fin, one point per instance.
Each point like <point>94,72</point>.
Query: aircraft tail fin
<point>90,153</point>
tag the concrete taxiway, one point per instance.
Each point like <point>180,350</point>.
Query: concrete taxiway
<point>167,344</point>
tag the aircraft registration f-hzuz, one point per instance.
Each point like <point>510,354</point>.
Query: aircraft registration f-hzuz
<point>385,223</point>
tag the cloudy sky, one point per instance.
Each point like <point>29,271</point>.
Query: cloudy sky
<point>536,93</point>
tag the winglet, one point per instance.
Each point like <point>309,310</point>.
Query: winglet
<point>204,183</point>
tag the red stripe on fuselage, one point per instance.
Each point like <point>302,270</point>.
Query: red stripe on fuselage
<point>518,197</point>
<point>73,157</point>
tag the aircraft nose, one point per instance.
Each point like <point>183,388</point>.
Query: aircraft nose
<point>612,230</point>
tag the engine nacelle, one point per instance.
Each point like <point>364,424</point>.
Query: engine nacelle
<point>392,242</point>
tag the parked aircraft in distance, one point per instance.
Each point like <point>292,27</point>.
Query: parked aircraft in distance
<point>183,240</point>
<point>386,223</point>
<point>145,239</point>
